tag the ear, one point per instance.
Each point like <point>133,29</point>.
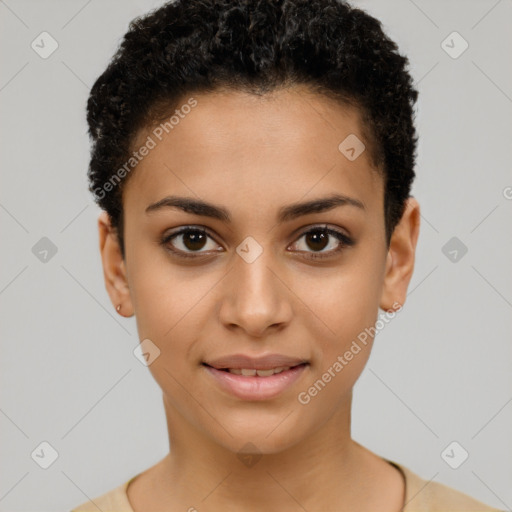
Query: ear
<point>401,256</point>
<point>114,267</point>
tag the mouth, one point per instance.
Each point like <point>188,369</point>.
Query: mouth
<point>254,384</point>
<point>256,372</point>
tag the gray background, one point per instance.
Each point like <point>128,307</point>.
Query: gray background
<point>440,372</point>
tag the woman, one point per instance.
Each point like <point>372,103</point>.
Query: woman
<point>254,162</point>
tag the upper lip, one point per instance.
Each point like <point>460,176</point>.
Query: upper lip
<point>265,362</point>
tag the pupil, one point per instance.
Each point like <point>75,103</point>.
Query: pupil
<point>318,238</point>
<point>193,241</point>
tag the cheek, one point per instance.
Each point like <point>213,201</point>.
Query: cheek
<point>347,306</point>
<point>346,300</point>
<point>161,293</point>
<point>171,309</point>
<point>349,309</point>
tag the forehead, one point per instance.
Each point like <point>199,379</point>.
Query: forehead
<point>235,147</point>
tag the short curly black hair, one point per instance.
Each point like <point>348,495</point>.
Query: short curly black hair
<point>256,46</point>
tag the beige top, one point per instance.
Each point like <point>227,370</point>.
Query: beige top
<point>420,496</point>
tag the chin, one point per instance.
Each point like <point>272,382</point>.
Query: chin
<point>262,439</point>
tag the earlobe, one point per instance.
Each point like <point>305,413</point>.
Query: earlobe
<point>114,269</point>
<point>401,258</point>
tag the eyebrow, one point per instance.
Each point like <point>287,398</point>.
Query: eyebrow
<point>285,213</point>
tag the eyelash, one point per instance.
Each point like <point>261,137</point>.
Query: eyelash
<point>344,240</point>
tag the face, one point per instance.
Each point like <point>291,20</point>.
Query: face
<point>256,275</point>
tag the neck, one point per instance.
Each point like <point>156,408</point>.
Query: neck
<point>324,468</point>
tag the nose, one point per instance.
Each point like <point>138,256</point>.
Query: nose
<point>255,297</point>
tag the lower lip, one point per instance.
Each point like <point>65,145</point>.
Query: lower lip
<point>256,388</point>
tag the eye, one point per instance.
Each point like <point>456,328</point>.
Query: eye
<point>189,241</point>
<point>318,238</point>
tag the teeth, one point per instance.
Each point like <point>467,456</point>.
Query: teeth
<point>261,373</point>
<point>265,373</point>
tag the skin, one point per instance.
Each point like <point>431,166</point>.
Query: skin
<point>253,155</point>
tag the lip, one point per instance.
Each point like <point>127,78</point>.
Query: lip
<point>265,362</point>
<point>256,388</point>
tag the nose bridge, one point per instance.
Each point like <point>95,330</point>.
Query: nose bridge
<point>255,298</point>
